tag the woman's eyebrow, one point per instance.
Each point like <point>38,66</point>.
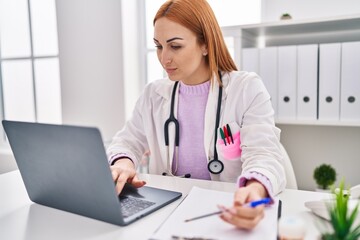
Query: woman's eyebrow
<point>169,40</point>
<point>174,38</point>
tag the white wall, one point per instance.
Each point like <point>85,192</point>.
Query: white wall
<point>309,146</point>
<point>91,70</point>
<point>307,9</point>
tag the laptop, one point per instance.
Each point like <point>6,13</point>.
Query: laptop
<point>66,167</point>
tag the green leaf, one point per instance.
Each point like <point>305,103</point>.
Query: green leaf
<point>341,220</point>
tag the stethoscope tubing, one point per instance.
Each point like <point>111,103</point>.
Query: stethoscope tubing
<point>172,119</point>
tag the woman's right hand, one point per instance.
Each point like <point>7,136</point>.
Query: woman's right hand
<point>123,171</point>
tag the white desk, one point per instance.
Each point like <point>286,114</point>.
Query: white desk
<point>22,219</point>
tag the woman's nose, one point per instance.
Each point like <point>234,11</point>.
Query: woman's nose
<point>165,58</point>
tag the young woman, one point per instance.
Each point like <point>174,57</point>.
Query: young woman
<point>206,120</point>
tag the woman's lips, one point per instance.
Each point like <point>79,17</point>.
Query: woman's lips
<point>170,70</point>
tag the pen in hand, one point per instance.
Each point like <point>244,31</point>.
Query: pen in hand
<point>249,204</point>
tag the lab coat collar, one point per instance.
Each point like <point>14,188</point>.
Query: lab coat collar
<point>165,88</point>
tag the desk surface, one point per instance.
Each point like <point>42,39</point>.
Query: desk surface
<point>22,219</point>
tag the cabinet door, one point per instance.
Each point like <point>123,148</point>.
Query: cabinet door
<point>329,81</point>
<point>287,82</point>
<point>350,82</point>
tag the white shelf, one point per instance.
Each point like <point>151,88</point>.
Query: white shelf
<point>318,123</point>
<point>343,23</point>
<point>292,32</point>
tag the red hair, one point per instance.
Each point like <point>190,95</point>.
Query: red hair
<point>198,17</point>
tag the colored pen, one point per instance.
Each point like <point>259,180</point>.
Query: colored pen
<point>222,135</point>
<point>229,132</point>
<point>250,204</point>
<point>226,134</point>
<point>258,202</point>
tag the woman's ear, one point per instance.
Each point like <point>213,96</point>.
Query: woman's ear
<point>204,50</point>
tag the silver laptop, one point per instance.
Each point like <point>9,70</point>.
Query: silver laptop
<point>65,167</point>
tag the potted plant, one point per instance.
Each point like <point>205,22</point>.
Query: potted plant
<point>285,16</point>
<point>325,176</point>
<point>342,219</point>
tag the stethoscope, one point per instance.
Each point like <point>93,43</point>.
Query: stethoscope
<point>215,166</point>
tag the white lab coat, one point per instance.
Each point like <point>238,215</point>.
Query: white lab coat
<point>246,107</point>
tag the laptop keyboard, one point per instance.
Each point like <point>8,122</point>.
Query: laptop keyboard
<point>131,205</point>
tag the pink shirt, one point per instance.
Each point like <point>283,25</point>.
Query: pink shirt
<point>191,114</point>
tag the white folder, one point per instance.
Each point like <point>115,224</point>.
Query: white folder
<point>329,81</point>
<point>307,80</point>
<point>268,73</point>
<point>250,60</point>
<point>350,82</point>
<point>287,82</point>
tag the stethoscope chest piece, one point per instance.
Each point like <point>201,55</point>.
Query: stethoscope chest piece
<point>215,166</point>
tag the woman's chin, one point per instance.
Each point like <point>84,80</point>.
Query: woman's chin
<point>173,78</point>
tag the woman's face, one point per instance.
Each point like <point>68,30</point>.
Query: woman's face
<point>179,52</point>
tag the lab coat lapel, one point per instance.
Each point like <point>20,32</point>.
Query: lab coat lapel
<point>210,115</point>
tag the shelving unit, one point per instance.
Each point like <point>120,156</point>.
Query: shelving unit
<point>296,32</point>
<point>309,143</point>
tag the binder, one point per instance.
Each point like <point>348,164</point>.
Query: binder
<point>287,82</point>
<point>307,80</point>
<point>329,81</point>
<point>350,82</point>
<point>268,73</point>
<point>250,60</point>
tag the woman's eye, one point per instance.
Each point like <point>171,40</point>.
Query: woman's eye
<point>175,47</point>
<point>158,46</point>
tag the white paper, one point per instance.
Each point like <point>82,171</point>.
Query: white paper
<point>203,201</point>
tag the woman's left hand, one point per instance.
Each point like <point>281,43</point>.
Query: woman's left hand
<point>242,216</point>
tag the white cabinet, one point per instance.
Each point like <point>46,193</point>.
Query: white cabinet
<point>295,32</point>
<point>311,141</point>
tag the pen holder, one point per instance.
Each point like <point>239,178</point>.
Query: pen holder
<point>291,228</point>
<point>230,151</point>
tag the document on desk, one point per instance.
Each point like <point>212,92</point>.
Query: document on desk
<point>203,201</point>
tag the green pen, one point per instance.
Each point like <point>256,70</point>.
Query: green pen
<point>222,135</point>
